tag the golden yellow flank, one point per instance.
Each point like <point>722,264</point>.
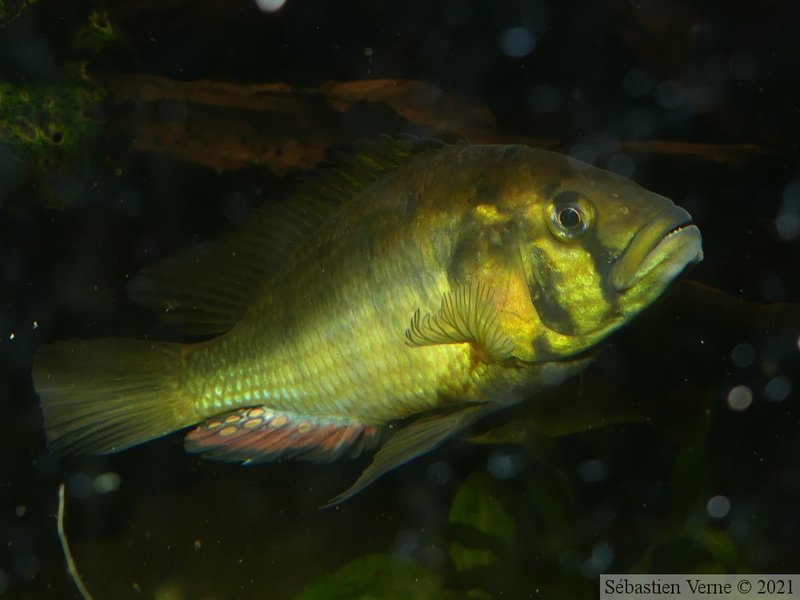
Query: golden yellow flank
<point>405,279</point>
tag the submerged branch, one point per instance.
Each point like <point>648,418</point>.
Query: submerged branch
<point>71,569</point>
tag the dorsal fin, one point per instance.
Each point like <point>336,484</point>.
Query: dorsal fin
<point>205,289</point>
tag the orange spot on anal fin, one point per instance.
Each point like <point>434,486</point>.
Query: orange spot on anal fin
<point>260,434</point>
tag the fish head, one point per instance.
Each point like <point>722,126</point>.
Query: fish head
<point>594,248</point>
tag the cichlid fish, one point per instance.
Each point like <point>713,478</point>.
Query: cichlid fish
<point>406,280</point>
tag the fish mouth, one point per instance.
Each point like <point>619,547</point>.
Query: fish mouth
<point>662,249</point>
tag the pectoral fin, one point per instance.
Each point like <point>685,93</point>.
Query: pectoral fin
<point>467,315</point>
<point>416,439</point>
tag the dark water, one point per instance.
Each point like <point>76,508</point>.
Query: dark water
<point>677,452</point>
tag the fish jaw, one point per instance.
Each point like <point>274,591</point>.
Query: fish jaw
<point>661,251</point>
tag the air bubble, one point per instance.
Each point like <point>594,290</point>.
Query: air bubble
<point>583,152</point>
<point>80,485</point>
<point>742,65</point>
<point>440,473</point>
<point>641,121</point>
<point>544,98</point>
<point>600,561</point>
<point>517,42</point>
<point>670,94</point>
<point>740,398</point>
<point>173,111</point>
<point>638,82</point>
<point>593,471</point>
<point>622,164</point>
<point>456,13</point>
<point>778,389</point>
<point>504,465</point>
<point>787,225</point>
<point>107,482</point>
<point>406,543</point>
<point>270,5</point>
<point>743,355</point>
<point>716,69</point>
<point>718,507</point>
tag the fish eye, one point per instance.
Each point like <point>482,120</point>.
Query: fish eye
<point>569,218</point>
<point>571,215</point>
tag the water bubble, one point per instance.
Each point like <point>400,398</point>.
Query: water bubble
<point>742,65</point>
<point>456,13</point>
<point>718,507</point>
<point>787,225</point>
<point>583,152</point>
<point>504,465</point>
<point>778,388</point>
<point>517,42</point>
<point>670,94</point>
<point>716,69</point>
<point>638,82</point>
<point>544,98</point>
<point>740,398</point>
<point>593,471</point>
<point>642,121</point>
<point>743,355</point>
<point>80,485</point>
<point>270,5</point>
<point>570,561</point>
<point>173,111</point>
<point>440,473</point>
<point>107,482</point>
<point>622,164</point>
<point>406,543</point>
<point>605,143</point>
<point>600,561</point>
<point>791,195</point>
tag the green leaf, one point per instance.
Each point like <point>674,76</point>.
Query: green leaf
<point>482,527</point>
<point>378,577</point>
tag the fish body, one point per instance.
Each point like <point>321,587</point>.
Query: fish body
<point>407,279</point>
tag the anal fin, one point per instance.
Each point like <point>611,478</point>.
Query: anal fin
<point>260,434</point>
<point>467,315</point>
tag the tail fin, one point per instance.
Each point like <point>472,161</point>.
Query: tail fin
<point>102,396</point>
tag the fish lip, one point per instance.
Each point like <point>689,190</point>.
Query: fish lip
<point>666,245</point>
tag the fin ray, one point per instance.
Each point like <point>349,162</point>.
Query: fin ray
<point>260,434</point>
<point>102,396</point>
<point>206,289</point>
<point>466,315</point>
<point>416,439</point>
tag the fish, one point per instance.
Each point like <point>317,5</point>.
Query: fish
<point>403,291</point>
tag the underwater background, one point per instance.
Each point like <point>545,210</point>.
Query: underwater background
<point>131,129</point>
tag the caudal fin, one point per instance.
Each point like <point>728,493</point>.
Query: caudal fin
<point>102,396</point>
